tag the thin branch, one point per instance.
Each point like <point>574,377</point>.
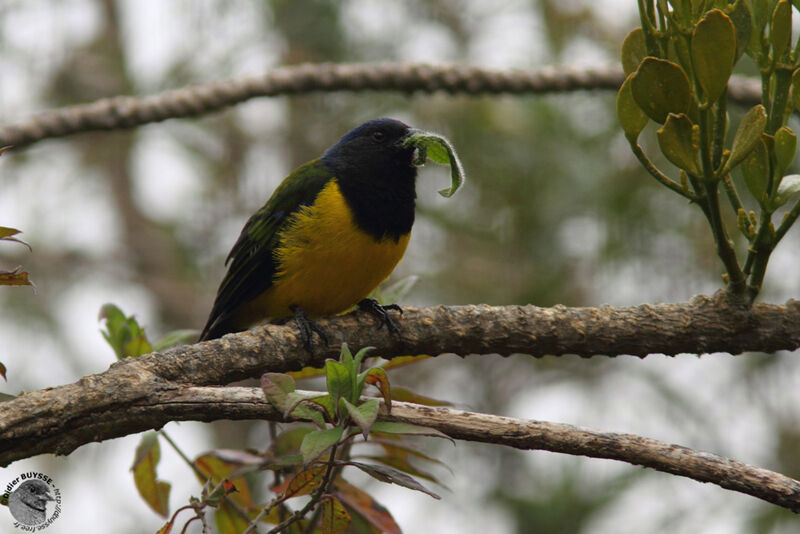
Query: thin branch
<point>128,112</point>
<point>211,403</point>
<point>106,405</point>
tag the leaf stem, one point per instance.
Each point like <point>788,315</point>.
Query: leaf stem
<point>658,175</point>
<point>788,220</point>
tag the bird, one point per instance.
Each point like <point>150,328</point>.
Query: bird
<point>331,232</point>
<point>28,503</point>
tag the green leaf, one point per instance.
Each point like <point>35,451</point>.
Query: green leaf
<point>713,53</point>
<point>787,189</point>
<point>228,521</point>
<point>679,140</point>
<point>780,29</point>
<point>747,135</point>
<point>440,150</point>
<point>123,333</point>
<point>174,338</point>
<point>317,442</point>
<point>340,384</point>
<point>7,233</point>
<point>407,429</point>
<point>660,87</point>
<point>634,51</point>
<point>335,518</point>
<point>302,406</point>
<point>288,442</point>
<point>392,476</point>
<point>755,170</point>
<point>739,14</point>
<point>346,359</point>
<point>154,492</point>
<point>363,415</point>
<point>785,148</point>
<point>630,115</point>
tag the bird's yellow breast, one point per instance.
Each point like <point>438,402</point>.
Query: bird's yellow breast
<point>326,263</point>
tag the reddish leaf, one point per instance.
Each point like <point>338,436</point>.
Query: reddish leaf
<point>406,395</point>
<point>154,492</point>
<point>3,371</point>
<point>217,470</point>
<point>366,506</point>
<point>167,528</point>
<point>377,377</point>
<point>335,518</point>
<point>302,483</point>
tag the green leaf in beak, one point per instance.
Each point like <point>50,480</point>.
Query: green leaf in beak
<point>437,148</point>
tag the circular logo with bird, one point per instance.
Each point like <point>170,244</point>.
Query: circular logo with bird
<point>35,501</point>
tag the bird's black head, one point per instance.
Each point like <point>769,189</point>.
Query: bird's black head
<point>372,148</point>
<point>376,176</point>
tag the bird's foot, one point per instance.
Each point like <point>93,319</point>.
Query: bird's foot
<point>308,328</point>
<point>381,312</point>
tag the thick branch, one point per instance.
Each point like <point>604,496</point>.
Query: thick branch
<point>186,403</point>
<point>128,112</point>
<point>63,418</point>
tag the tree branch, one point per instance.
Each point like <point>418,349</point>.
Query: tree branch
<point>109,404</point>
<point>186,403</point>
<point>127,112</point>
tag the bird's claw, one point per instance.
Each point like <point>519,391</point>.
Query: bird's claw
<point>308,328</point>
<point>381,312</point>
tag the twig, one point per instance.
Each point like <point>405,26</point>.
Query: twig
<point>128,112</point>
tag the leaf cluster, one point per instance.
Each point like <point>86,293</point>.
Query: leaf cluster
<point>678,65</point>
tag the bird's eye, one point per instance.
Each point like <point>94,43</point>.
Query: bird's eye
<point>379,136</point>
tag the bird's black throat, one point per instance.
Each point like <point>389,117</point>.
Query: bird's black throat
<point>383,204</point>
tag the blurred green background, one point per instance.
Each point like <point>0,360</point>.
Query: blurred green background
<point>556,211</point>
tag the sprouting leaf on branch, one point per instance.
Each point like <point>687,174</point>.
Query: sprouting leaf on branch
<point>124,334</point>
<point>747,135</point>
<point>439,149</point>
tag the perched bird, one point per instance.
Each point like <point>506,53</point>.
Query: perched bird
<point>332,231</point>
<point>28,503</point>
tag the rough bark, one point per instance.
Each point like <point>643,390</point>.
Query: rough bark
<point>103,406</point>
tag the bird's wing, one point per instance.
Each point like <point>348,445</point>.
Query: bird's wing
<point>252,264</point>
